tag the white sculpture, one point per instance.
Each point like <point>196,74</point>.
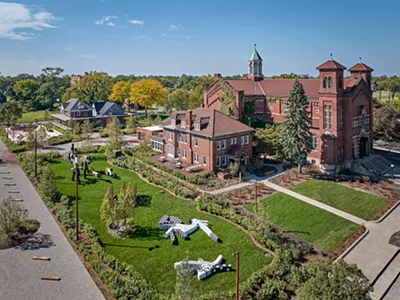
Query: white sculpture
<point>204,268</point>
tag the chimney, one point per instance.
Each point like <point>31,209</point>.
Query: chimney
<point>245,76</point>
<point>189,119</point>
<point>217,76</point>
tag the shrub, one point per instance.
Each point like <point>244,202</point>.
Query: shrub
<point>11,218</point>
<point>61,139</point>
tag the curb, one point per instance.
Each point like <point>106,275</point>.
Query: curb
<point>344,254</point>
<point>387,213</point>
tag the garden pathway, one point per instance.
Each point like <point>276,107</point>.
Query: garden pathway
<point>313,202</point>
<point>226,189</point>
<point>20,275</point>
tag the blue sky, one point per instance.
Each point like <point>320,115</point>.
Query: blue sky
<point>196,37</point>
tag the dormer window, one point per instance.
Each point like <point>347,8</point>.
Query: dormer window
<point>183,124</point>
<point>173,122</point>
<point>197,126</point>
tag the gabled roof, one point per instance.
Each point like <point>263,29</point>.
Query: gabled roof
<point>331,65</point>
<point>218,124</point>
<point>72,104</point>
<point>361,67</point>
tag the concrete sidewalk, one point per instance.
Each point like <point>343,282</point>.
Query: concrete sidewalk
<point>20,276</point>
<point>315,203</point>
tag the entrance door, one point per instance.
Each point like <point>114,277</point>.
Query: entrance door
<point>363,147</point>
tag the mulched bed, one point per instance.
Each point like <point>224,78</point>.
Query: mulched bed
<point>343,247</point>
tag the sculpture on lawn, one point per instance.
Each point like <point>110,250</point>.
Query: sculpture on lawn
<point>203,268</point>
<point>175,225</point>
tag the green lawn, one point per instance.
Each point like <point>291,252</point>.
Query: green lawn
<point>360,204</point>
<point>323,229</point>
<point>157,265</point>
<point>33,116</point>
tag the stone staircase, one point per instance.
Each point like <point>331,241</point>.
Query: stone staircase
<point>374,164</point>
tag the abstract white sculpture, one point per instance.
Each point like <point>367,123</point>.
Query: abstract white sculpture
<point>204,268</point>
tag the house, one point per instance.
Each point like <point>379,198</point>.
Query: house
<point>206,138</point>
<point>340,109</point>
<point>145,133</point>
<point>78,111</point>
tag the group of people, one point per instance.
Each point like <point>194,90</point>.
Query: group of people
<point>73,158</point>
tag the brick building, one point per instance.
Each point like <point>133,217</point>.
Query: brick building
<point>204,137</point>
<point>340,109</point>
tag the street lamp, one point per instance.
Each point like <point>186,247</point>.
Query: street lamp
<point>392,166</point>
<point>237,273</point>
<point>256,196</point>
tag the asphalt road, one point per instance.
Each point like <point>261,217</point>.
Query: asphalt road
<point>20,275</point>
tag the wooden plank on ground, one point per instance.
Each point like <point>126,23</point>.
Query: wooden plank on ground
<point>6,178</point>
<point>10,184</point>
<point>17,200</point>
<point>4,172</point>
<point>13,192</point>
<point>52,278</point>
<point>40,258</point>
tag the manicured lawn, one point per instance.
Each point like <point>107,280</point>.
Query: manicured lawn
<point>33,116</point>
<point>360,204</point>
<point>157,265</point>
<point>321,228</point>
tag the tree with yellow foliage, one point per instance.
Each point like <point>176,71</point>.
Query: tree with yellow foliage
<point>120,91</point>
<point>147,92</point>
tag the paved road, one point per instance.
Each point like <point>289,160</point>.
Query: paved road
<point>313,202</point>
<point>394,292</point>
<point>374,252</point>
<point>20,276</point>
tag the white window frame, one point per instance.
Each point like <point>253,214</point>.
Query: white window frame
<point>218,145</point>
<point>223,144</point>
<point>169,136</point>
<point>196,157</point>
<point>218,161</point>
<point>224,160</point>
<point>197,126</point>
<point>234,141</point>
<point>242,140</point>
<point>183,124</point>
<point>231,141</point>
<point>204,160</point>
<point>196,142</point>
<point>173,122</point>
<point>247,139</point>
<point>184,153</point>
<point>314,142</point>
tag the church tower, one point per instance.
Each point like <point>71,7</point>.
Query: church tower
<point>255,66</point>
<point>361,70</point>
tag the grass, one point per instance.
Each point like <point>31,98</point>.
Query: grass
<point>157,265</point>
<point>357,203</point>
<point>321,228</point>
<point>385,96</point>
<point>34,116</point>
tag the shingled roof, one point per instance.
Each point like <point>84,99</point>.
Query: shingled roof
<point>331,65</point>
<point>213,123</point>
<point>360,67</point>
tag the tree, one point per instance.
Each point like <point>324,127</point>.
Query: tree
<point>269,140</point>
<point>272,289</point>
<point>196,96</point>
<point>30,140</point>
<point>131,125</point>
<point>114,134</point>
<point>179,99</point>
<point>234,168</point>
<point>386,123</point>
<point>11,217</point>
<point>25,91</point>
<point>10,112</point>
<point>120,91</point>
<point>157,120</point>
<point>47,185</point>
<point>108,206</point>
<point>52,87</point>
<point>296,136</point>
<point>147,92</point>
<point>184,282</point>
<point>71,93</point>
<point>328,280</point>
<point>392,85</point>
<point>86,131</point>
<point>95,86</point>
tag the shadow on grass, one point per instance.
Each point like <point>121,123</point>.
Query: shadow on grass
<point>144,200</point>
<point>133,247</point>
<point>298,231</point>
<point>147,233</point>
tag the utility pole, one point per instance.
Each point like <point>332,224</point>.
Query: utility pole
<point>35,153</point>
<point>76,203</point>
<point>237,274</point>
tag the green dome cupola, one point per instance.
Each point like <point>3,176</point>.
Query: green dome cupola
<point>255,65</point>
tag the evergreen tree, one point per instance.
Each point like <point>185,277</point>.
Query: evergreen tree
<point>157,120</point>
<point>131,125</point>
<point>296,135</point>
<point>86,131</point>
<point>107,209</point>
<point>184,282</point>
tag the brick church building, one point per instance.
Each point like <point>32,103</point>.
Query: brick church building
<point>340,109</point>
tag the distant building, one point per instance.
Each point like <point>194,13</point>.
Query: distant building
<point>79,111</point>
<point>76,78</point>
<point>204,137</point>
<point>340,109</point>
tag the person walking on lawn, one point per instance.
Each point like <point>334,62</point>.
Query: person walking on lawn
<point>85,166</point>
<point>76,171</point>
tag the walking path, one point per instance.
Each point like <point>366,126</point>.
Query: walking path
<point>227,189</point>
<point>315,203</point>
<point>20,275</point>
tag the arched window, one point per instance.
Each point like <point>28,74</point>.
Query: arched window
<point>330,82</point>
<point>325,83</point>
<point>340,83</point>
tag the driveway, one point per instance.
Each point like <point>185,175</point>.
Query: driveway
<point>20,275</point>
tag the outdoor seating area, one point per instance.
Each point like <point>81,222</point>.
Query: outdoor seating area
<point>193,169</point>
<point>178,165</point>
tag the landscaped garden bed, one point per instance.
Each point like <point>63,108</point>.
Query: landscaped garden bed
<point>247,194</point>
<point>149,242</point>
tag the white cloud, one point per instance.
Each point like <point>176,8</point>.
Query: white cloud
<point>164,34</point>
<point>106,20</point>
<point>16,16</point>
<point>188,37</point>
<point>136,22</point>
<point>112,24</point>
<point>173,27</point>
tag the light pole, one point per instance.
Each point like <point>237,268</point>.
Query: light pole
<point>256,196</point>
<point>76,206</point>
<point>392,166</point>
<point>35,153</point>
<point>237,273</point>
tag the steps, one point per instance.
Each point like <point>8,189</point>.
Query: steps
<point>386,277</point>
<point>376,164</point>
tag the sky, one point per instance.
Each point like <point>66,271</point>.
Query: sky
<point>160,37</point>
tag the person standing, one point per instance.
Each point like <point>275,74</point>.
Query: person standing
<point>72,148</point>
<point>85,165</point>
<point>75,171</point>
